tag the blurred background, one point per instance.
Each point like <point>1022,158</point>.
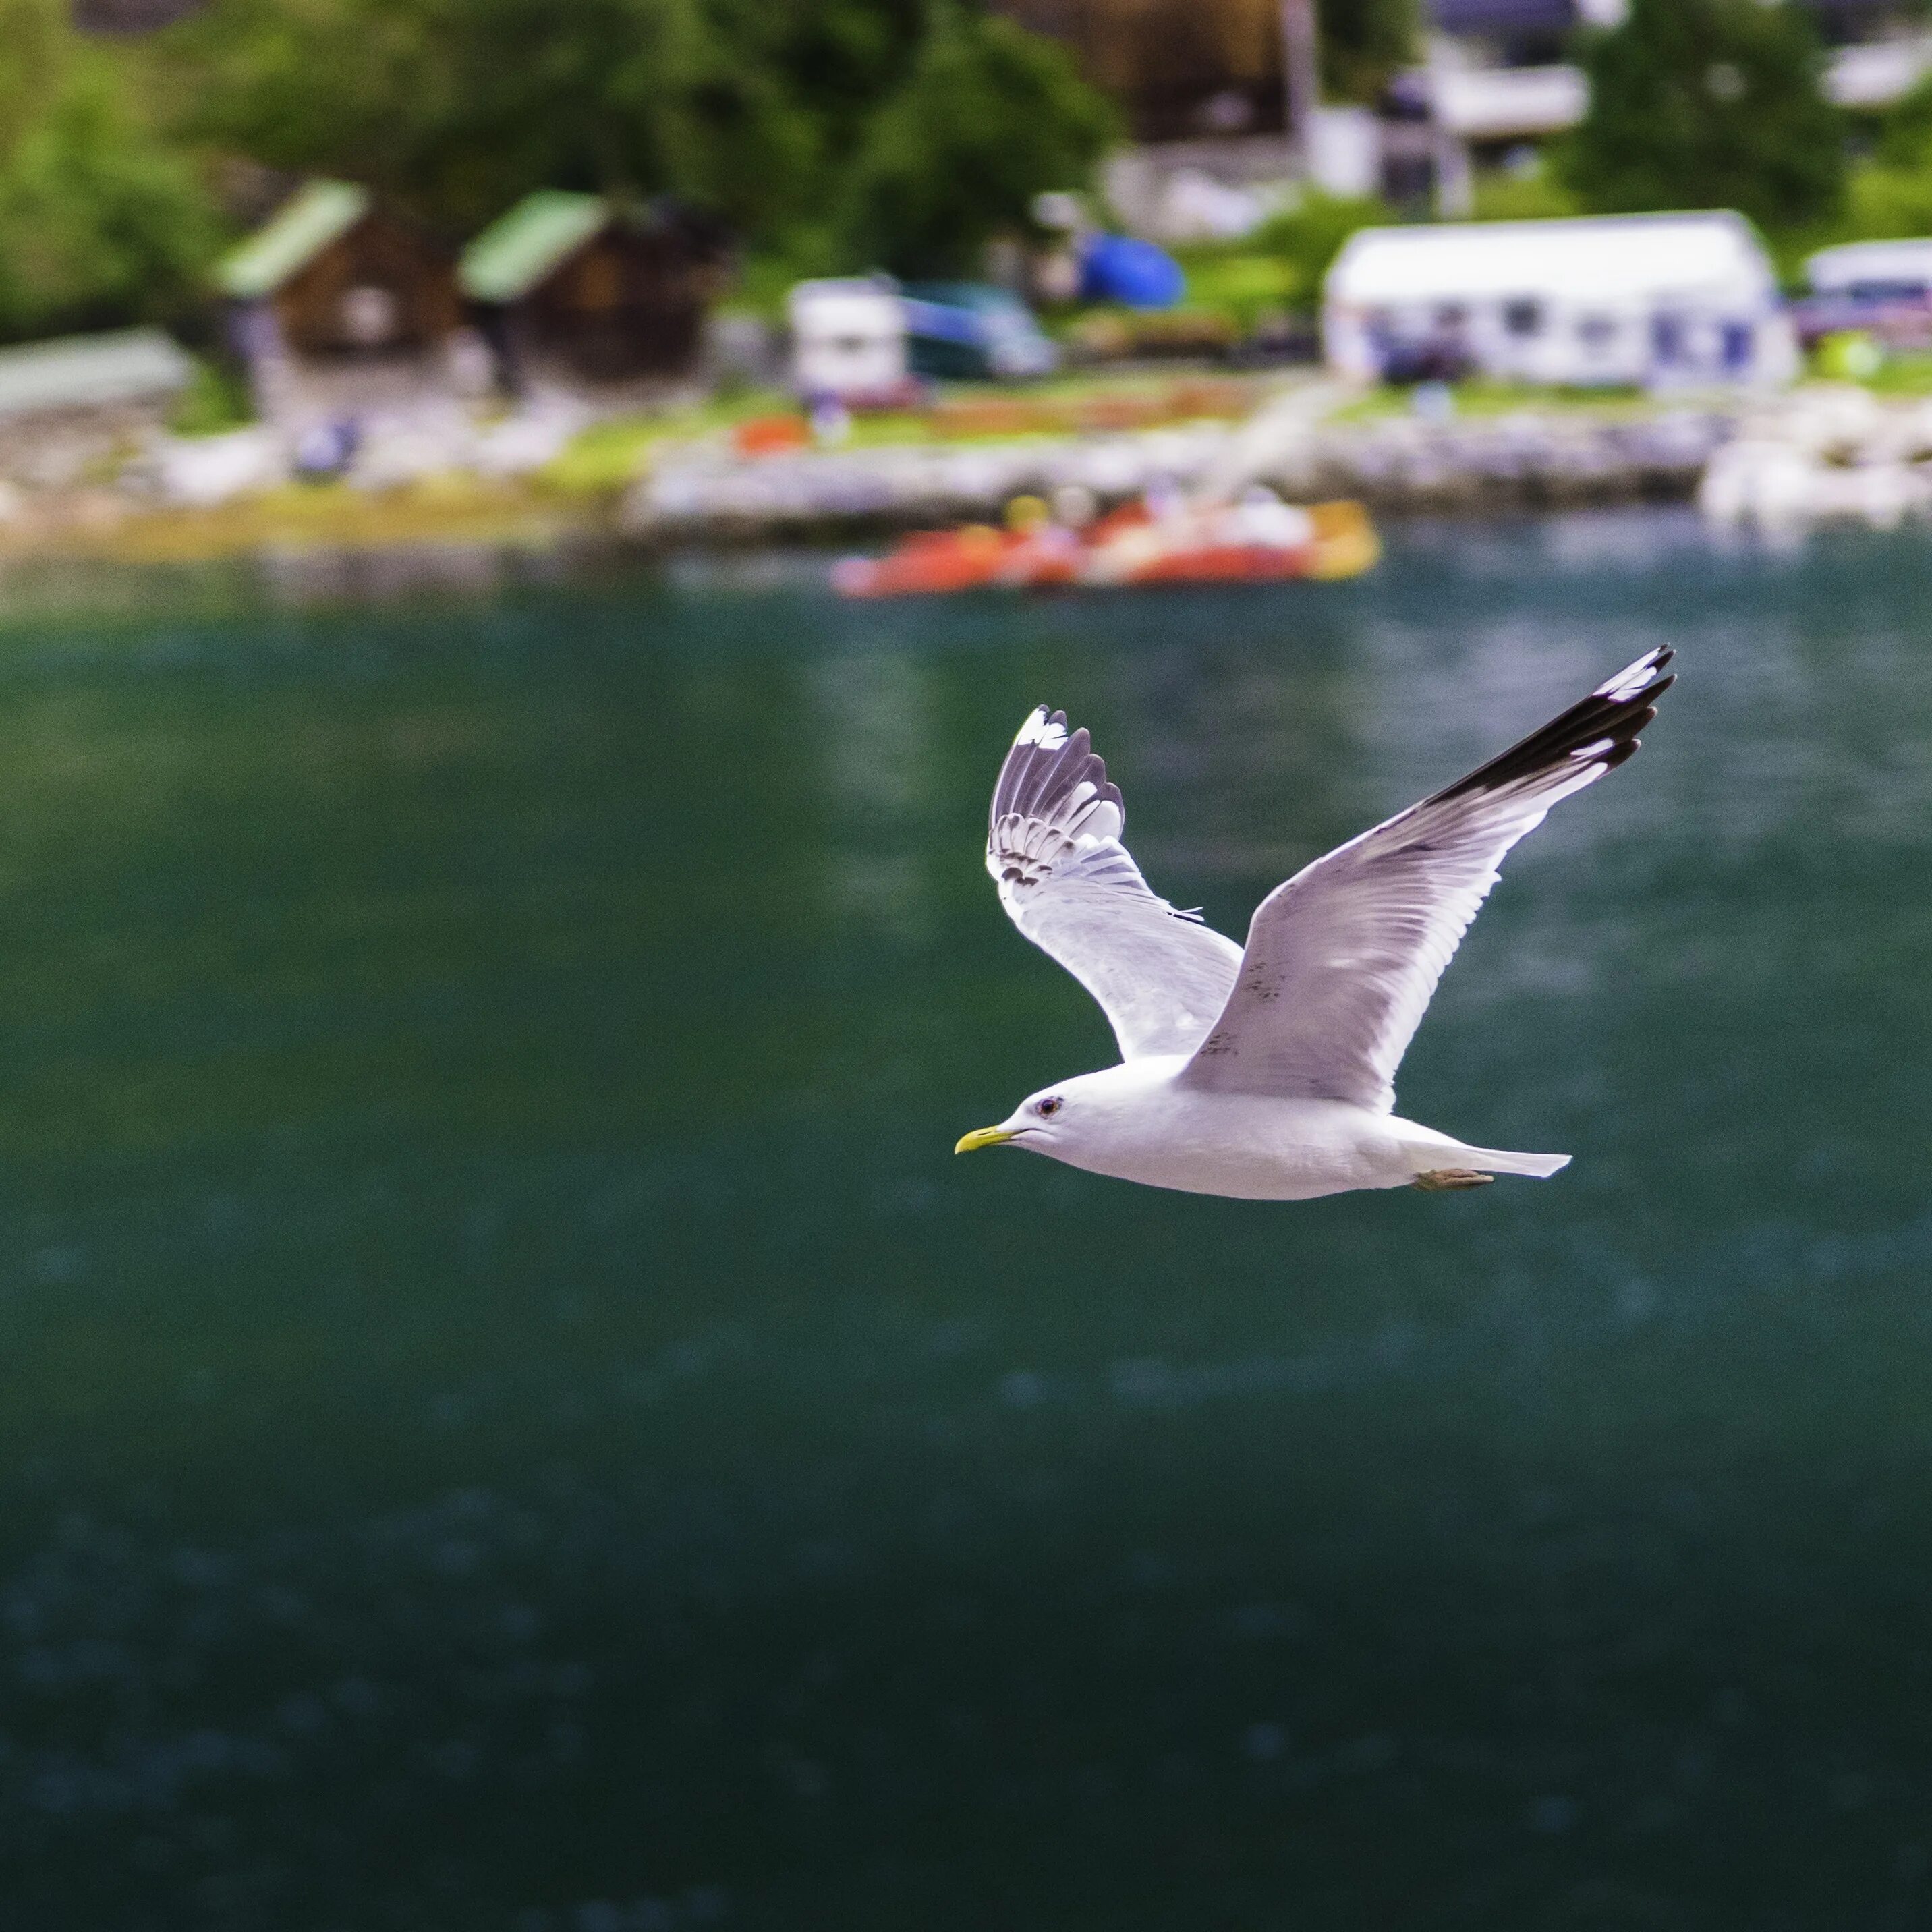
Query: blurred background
<point>525,532</point>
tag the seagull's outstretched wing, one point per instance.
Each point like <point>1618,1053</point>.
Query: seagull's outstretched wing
<point>1072,888</point>
<point>1342,960</point>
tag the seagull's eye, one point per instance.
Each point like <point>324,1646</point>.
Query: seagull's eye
<point>1046,1109</point>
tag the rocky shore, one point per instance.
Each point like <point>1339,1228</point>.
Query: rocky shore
<point>1525,458</point>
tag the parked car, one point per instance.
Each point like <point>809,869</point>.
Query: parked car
<point>973,331</point>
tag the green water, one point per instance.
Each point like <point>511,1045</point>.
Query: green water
<point>513,1419</point>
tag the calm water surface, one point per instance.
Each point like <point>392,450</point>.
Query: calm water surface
<point>513,1419</point>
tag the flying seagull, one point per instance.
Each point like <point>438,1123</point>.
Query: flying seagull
<point>1268,1073</point>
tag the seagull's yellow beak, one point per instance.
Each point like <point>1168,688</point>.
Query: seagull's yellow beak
<point>983,1137</point>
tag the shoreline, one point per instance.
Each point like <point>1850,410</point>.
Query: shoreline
<point>1303,445</point>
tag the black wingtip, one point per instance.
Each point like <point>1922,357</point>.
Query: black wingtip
<point>1609,719</point>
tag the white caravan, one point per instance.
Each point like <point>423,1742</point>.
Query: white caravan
<point>1877,271</point>
<point>848,337</point>
<point>1657,300</point>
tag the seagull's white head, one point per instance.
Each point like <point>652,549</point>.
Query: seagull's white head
<point>1072,1121</point>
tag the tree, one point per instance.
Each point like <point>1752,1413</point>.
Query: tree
<point>1310,235</point>
<point>788,118</point>
<point>100,222</point>
<point>1704,103</point>
<point>455,108</point>
<point>1364,43</point>
<point>988,116</point>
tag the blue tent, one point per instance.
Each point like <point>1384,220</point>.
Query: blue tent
<point>1136,274</point>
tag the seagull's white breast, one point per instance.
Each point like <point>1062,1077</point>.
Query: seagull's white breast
<point>1139,1122</point>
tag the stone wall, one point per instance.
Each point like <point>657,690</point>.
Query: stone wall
<point>55,449</point>
<point>1396,464</point>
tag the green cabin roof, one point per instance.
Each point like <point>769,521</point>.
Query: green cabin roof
<point>315,215</point>
<point>124,365</point>
<point>519,248</point>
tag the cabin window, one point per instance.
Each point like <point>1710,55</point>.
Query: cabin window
<point>1597,331</point>
<point>1668,342</point>
<point>1523,317</point>
<point>370,317</point>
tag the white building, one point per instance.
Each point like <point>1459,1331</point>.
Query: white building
<point>1499,78</point>
<point>1650,299</point>
<point>848,337</point>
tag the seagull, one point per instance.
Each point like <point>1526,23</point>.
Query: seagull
<point>1267,1072</point>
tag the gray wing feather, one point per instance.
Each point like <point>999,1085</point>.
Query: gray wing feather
<point>1054,849</point>
<point>1341,961</point>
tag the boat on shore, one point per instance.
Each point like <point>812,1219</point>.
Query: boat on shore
<point>1256,539</point>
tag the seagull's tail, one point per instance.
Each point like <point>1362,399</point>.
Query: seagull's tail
<point>1497,1160</point>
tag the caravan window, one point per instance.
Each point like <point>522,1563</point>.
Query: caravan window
<point>1596,332</point>
<point>1523,318</point>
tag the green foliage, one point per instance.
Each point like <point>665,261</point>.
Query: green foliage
<point>1886,197</point>
<point>455,108</point>
<point>1883,202</point>
<point>989,115</point>
<point>1905,130</point>
<point>1308,237</point>
<point>216,399</point>
<point>1239,281</point>
<point>100,222</point>
<point>1709,104</point>
<point>1540,197</point>
<point>1363,43</point>
<point>830,133</point>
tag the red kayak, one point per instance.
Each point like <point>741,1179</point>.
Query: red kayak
<point>1252,541</point>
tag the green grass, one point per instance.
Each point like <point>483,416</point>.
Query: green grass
<point>1906,373</point>
<point>1480,397</point>
<point>607,456</point>
<point>1240,285</point>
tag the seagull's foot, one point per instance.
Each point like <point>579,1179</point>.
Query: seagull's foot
<point>1444,1180</point>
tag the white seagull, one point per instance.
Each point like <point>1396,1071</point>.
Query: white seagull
<point>1268,1073</point>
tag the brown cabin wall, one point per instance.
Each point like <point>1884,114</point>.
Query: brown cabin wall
<point>627,304</point>
<point>379,252</point>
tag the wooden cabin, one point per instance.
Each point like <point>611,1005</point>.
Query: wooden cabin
<point>602,299</point>
<point>1204,69</point>
<point>341,309</point>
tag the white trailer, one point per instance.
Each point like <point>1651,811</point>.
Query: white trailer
<point>848,337</point>
<point>1875,271</point>
<point>1656,300</point>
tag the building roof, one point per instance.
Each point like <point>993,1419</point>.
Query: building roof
<point>317,214</point>
<point>1874,73</point>
<point>86,371</point>
<point>519,249</point>
<point>845,305</point>
<point>1710,257</point>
